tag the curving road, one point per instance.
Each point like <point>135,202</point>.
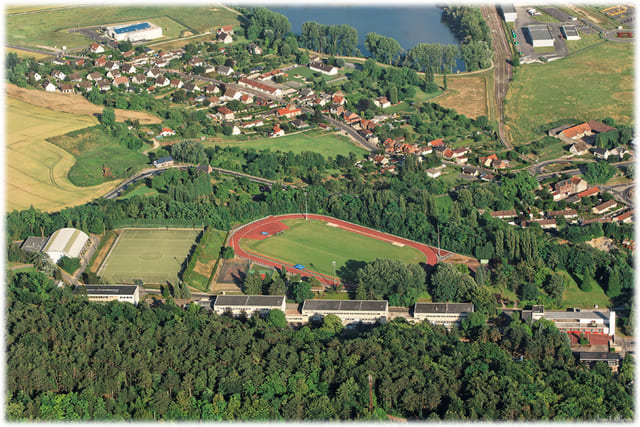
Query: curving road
<point>238,234</point>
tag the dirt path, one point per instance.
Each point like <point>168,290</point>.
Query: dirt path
<point>73,103</point>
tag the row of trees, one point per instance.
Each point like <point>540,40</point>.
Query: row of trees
<point>68,359</point>
<point>331,39</point>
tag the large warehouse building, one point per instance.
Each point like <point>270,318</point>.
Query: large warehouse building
<point>134,32</point>
<point>540,35</point>
<point>509,13</point>
<point>69,242</point>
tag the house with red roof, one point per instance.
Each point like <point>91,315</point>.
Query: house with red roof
<point>277,131</point>
<point>588,192</point>
<point>167,132</point>
<point>436,143</point>
<point>289,112</point>
<point>96,48</point>
<point>225,113</point>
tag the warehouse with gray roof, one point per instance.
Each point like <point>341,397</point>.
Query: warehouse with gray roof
<point>540,35</point>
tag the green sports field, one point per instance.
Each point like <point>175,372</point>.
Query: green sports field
<point>315,245</point>
<point>153,255</point>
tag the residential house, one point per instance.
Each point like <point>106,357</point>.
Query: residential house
<point>211,89</point>
<point>96,48</point>
<point>110,66</point>
<point>128,54</point>
<point>48,86</point>
<point>122,80</point>
<point>603,207</point>
<point>600,153</point>
<point>142,79</point>
<point>625,217</point>
<point>226,29</point>
<point>75,78</point>
<point>192,87</point>
<point>224,38</point>
<point>94,77</point>
<point>271,74</point>
<point>253,123</point>
<point>154,73</point>
<point>567,213</point>
<point>175,83</point>
<point>128,69</point>
<point>235,130</point>
<point>255,49</point>
<point>246,99</point>
<point>161,81</point>
<point>230,94</point>
<point>195,62</point>
<point>588,192</point>
<point>562,189</point>
<point>37,77</point>
<point>504,214</point>
<point>289,112</point>
<point>113,74</point>
<point>226,113</point>
<point>382,102</point>
<point>277,131</point>
<point>224,70</point>
<point>103,85</point>
<point>434,172</point>
<point>579,148</point>
<point>166,132</point>
<point>85,85</point>
<point>163,162</point>
<point>323,68</point>
<point>58,75</point>
<point>60,61</point>
<point>66,88</point>
<point>100,62</point>
<point>80,63</point>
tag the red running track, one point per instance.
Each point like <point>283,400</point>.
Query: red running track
<point>253,229</point>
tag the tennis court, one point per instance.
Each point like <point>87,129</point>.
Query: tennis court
<point>154,256</point>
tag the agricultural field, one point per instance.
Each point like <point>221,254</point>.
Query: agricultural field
<point>468,94</point>
<point>73,103</point>
<point>99,156</point>
<point>153,255</point>
<point>49,27</point>
<point>25,54</point>
<point>327,144</point>
<point>592,84</point>
<point>315,245</point>
<point>36,169</point>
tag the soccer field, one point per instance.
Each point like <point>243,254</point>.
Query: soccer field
<point>155,256</point>
<point>315,245</point>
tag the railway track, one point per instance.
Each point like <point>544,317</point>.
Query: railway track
<point>503,68</point>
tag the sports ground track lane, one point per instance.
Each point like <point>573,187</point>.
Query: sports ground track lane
<point>253,229</point>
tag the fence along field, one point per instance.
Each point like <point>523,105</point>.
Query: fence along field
<point>36,169</point>
<point>155,256</point>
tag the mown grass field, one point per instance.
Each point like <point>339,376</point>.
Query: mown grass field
<point>316,141</point>
<point>95,150</point>
<point>575,297</point>
<point>25,54</point>
<point>470,95</point>
<point>49,27</point>
<point>36,169</point>
<point>315,245</point>
<point>155,256</point>
<point>592,84</point>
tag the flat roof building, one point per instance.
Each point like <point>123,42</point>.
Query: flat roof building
<point>69,242</point>
<point>540,35</point>
<point>509,12</point>
<point>134,32</point>
<point>349,311</point>
<point>248,304</point>
<point>442,313</point>
<point>577,320</point>
<point>106,293</point>
<point>570,32</point>
<point>33,244</point>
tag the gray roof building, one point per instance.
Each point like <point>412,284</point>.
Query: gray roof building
<point>540,35</point>
<point>349,311</point>
<point>33,244</point>
<point>248,304</point>
<point>446,314</point>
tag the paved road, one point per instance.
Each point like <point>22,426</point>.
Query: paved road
<point>503,67</point>
<point>570,172</point>
<point>621,192</point>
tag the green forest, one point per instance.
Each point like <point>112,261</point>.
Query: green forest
<point>72,360</point>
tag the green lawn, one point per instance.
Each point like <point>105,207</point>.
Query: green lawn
<point>315,245</point>
<point>95,152</point>
<point>574,297</point>
<point>49,27</point>
<point>592,84</point>
<point>327,144</point>
<point>155,256</point>
<point>140,190</point>
<point>586,40</point>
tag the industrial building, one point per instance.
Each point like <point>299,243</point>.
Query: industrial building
<point>104,293</point>
<point>446,314</point>
<point>69,242</point>
<point>248,304</point>
<point>540,35</point>
<point>570,32</point>
<point>348,311</point>
<point>134,32</point>
<point>509,13</point>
